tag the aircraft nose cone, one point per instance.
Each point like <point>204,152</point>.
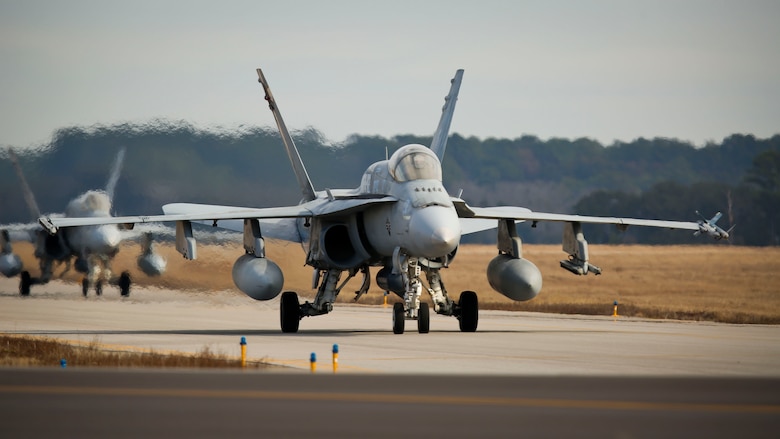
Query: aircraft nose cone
<point>103,239</point>
<point>445,238</point>
<point>435,231</point>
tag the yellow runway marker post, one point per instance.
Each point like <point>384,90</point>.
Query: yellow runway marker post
<point>335,358</point>
<point>614,310</point>
<point>313,362</point>
<point>243,351</point>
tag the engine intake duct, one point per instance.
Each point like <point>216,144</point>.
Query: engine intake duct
<point>336,243</point>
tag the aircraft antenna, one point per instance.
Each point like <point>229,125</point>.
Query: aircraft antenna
<point>439,142</point>
<point>307,189</point>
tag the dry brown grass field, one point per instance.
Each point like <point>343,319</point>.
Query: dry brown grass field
<point>26,351</point>
<point>708,282</point>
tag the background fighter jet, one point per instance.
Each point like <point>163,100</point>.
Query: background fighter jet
<point>400,219</point>
<point>93,247</point>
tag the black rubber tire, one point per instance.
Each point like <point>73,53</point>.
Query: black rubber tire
<point>289,312</point>
<point>124,284</point>
<point>469,311</point>
<point>84,286</point>
<point>423,319</point>
<point>24,284</point>
<point>399,317</point>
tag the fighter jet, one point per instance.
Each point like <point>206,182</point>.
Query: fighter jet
<point>400,219</point>
<point>92,247</point>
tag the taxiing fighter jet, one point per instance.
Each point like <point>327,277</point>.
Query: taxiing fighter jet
<point>93,247</point>
<point>399,219</point>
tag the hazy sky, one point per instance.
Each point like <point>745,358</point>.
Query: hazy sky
<point>693,70</point>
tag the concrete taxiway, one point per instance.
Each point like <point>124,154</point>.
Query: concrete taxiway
<point>506,343</point>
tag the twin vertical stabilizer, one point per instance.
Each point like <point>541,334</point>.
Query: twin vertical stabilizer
<point>439,142</point>
<point>307,190</point>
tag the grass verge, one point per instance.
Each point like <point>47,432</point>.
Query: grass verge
<point>23,351</point>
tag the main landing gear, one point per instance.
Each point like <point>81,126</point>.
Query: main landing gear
<point>290,312</point>
<point>466,310</point>
<point>123,282</point>
<point>469,311</point>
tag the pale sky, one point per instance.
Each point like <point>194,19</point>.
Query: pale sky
<point>609,70</point>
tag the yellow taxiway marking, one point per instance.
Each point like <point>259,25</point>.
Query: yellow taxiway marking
<point>398,399</point>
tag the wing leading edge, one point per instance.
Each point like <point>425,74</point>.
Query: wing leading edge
<point>522,214</point>
<point>207,212</point>
<point>52,224</point>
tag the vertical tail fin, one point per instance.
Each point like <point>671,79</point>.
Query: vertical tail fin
<point>439,142</point>
<point>29,197</point>
<point>307,190</point>
<point>113,177</point>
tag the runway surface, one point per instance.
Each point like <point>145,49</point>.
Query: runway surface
<point>506,343</point>
<point>527,374</point>
<point>98,403</point>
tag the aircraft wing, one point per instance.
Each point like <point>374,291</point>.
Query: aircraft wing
<point>53,224</point>
<point>523,214</point>
<point>21,232</point>
<point>206,212</point>
<point>279,227</point>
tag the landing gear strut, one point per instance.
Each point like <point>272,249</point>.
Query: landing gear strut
<point>412,308</point>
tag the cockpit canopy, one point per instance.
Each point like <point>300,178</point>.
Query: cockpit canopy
<point>414,162</point>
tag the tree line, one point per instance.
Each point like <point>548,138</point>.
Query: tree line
<point>654,178</point>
